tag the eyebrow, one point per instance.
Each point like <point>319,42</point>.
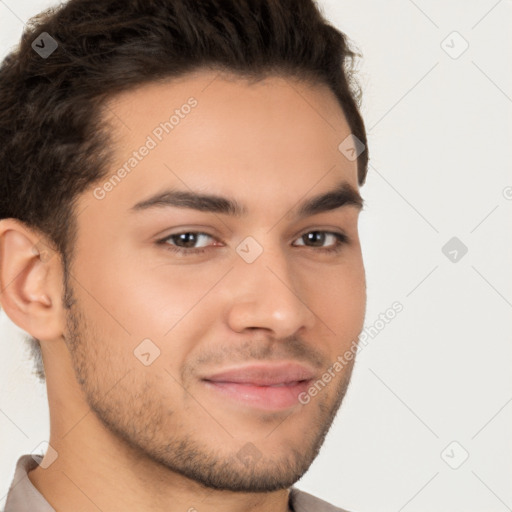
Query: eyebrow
<point>344,194</point>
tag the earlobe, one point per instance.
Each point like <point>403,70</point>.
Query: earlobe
<point>30,288</point>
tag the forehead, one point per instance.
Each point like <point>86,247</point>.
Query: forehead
<point>208,131</point>
<point>230,93</point>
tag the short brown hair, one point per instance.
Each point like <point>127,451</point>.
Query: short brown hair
<point>53,145</point>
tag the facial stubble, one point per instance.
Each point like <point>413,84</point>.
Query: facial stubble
<point>131,410</point>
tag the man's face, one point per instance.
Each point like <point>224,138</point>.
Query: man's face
<point>196,360</point>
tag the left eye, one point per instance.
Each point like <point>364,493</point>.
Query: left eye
<point>190,238</point>
<point>319,237</point>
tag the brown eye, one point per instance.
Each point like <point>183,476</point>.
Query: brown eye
<point>184,243</point>
<point>319,238</point>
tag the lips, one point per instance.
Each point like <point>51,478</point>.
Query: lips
<point>264,386</point>
<point>264,374</point>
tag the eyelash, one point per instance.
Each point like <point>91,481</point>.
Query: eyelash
<point>341,240</point>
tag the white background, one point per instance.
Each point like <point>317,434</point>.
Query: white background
<point>440,153</point>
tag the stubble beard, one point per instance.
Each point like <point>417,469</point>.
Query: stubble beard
<point>135,416</point>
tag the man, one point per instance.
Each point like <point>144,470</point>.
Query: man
<point>180,199</point>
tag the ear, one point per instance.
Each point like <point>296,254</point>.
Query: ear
<point>30,281</point>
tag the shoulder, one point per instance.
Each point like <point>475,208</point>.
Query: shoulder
<point>304,502</point>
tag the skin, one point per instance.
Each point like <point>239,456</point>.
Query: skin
<point>136,437</point>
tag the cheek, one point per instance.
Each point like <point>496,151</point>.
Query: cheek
<point>140,296</point>
<point>338,296</point>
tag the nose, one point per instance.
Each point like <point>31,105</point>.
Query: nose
<point>264,297</point>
